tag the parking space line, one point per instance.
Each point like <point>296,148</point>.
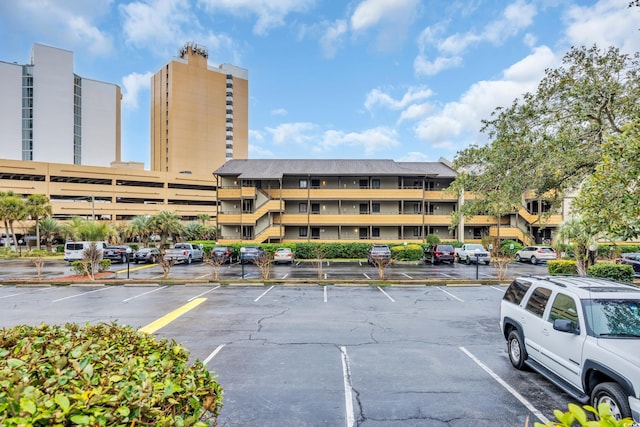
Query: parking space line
<point>497,289</point>
<point>263,294</point>
<point>24,293</point>
<point>142,294</point>
<point>84,293</point>
<point>285,276</point>
<point>170,317</point>
<point>324,290</point>
<point>510,389</point>
<point>445,275</point>
<point>407,276</point>
<point>203,293</point>
<point>348,396</point>
<point>202,277</point>
<point>367,276</point>
<point>213,354</point>
<point>450,294</point>
<point>386,294</point>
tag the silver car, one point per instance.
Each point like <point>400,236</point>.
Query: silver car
<point>536,254</point>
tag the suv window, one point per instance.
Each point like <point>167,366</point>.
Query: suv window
<point>516,291</point>
<point>538,301</point>
<point>75,246</point>
<point>444,248</point>
<point>564,307</point>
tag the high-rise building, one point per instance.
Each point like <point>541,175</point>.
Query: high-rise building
<point>50,114</point>
<point>199,114</point>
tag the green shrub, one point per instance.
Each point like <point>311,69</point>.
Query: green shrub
<point>101,375</point>
<point>578,416</point>
<point>505,247</point>
<point>562,267</point>
<point>79,269</point>
<point>619,272</point>
<point>411,252</point>
<point>432,239</point>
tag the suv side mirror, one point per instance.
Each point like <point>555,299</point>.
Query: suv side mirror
<point>564,325</point>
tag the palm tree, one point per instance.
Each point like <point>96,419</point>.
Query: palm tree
<point>12,208</point>
<point>38,207</point>
<point>49,228</point>
<point>167,224</point>
<point>578,233</point>
<point>204,218</point>
<point>72,229</point>
<point>142,227</point>
<point>195,231</point>
<point>82,229</point>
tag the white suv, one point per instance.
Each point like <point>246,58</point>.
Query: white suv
<point>582,333</point>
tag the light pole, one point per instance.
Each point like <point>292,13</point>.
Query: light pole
<point>128,257</point>
<point>242,249</point>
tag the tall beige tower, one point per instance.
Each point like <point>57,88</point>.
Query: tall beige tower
<point>199,114</point>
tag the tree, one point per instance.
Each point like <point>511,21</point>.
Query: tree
<point>49,228</point>
<point>167,224</point>
<point>142,227</point>
<point>582,237</point>
<point>204,218</point>
<point>551,141</point>
<point>12,209</point>
<point>38,207</point>
<point>82,229</point>
<point>609,200</point>
<point>195,231</point>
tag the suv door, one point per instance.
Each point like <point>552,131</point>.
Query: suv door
<point>563,350</point>
<point>533,322</point>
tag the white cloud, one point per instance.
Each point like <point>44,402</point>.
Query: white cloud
<point>133,84</point>
<point>390,18</point>
<point>332,37</point>
<point>415,156</point>
<point>461,120</point>
<point>370,141</point>
<point>516,17</point>
<point>270,13</point>
<point>279,112</point>
<point>415,112</point>
<point>293,133</point>
<point>413,94</point>
<point>606,24</point>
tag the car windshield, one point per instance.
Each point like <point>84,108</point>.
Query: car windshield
<point>475,247</point>
<point>613,318</point>
<point>549,250</point>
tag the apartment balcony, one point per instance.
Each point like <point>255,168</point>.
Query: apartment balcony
<point>364,219</point>
<point>229,193</point>
<point>352,194</point>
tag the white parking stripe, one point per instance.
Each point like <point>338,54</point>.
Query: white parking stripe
<point>203,293</point>
<point>325,293</point>
<point>213,354</point>
<point>386,294</point>
<point>84,293</point>
<point>510,389</point>
<point>367,276</point>
<point>497,289</point>
<point>23,293</point>
<point>406,275</point>
<point>348,395</point>
<point>263,294</point>
<point>450,294</point>
<point>142,294</point>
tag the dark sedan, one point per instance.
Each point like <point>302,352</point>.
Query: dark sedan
<point>250,254</point>
<point>146,255</point>
<point>632,259</point>
<point>116,253</point>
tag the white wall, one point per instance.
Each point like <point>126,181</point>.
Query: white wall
<point>52,104</point>
<point>98,123</point>
<point>10,111</point>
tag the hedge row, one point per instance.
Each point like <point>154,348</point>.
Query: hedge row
<point>618,272</point>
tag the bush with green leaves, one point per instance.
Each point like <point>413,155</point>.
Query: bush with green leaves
<point>577,416</point>
<point>560,267</point>
<point>101,375</point>
<point>619,272</point>
<point>80,268</point>
<point>410,252</point>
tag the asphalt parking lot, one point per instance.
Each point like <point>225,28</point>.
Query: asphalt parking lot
<point>324,356</point>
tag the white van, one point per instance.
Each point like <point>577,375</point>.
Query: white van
<point>73,251</point>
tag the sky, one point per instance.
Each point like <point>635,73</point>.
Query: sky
<point>408,80</point>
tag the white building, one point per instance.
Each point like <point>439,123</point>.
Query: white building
<point>50,114</point>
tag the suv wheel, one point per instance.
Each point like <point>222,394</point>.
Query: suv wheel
<point>515,347</point>
<point>534,260</point>
<point>518,257</point>
<point>615,396</point>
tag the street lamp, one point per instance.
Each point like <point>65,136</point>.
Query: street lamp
<point>128,257</point>
<point>242,249</point>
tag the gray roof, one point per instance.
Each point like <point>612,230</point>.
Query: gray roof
<point>277,168</point>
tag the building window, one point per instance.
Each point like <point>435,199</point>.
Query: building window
<point>302,208</point>
<point>302,232</point>
<point>375,232</point>
<point>375,208</point>
<point>315,183</point>
<point>315,208</point>
<point>315,233</point>
<point>375,183</point>
<point>364,183</point>
<point>304,183</point>
<point>416,231</point>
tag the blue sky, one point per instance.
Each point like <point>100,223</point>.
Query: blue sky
<point>408,80</point>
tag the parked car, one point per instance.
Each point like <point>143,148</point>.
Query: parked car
<point>147,255</point>
<point>184,253</point>
<point>225,254</point>
<point>250,254</point>
<point>439,253</point>
<point>582,333</point>
<point>632,259</point>
<point>378,253</point>
<point>536,254</point>
<point>473,252</point>
<point>116,253</point>
<point>74,251</point>
<point>283,255</point>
